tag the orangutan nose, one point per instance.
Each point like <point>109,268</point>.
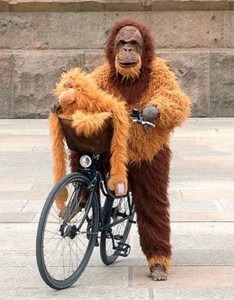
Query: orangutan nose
<point>127,48</point>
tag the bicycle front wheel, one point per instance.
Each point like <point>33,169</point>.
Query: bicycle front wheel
<point>65,240</point>
<point>118,219</point>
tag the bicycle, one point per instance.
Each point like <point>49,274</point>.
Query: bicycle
<point>65,241</point>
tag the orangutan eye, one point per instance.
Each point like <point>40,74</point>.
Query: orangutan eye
<point>134,43</point>
<point>121,43</point>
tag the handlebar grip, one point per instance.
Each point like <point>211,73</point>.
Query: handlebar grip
<point>142,122</point>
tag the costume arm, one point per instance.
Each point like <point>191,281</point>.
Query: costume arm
<point>173,104</point>
<point>107,103</point>
<point>59,157</point>
<point>58,149</point>
<point>119,143</point>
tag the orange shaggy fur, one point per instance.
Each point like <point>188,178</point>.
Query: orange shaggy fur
<point>165,93</point>
<point>89,108</point>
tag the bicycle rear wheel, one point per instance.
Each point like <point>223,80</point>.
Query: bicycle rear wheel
<point>118,219</point>
<point>65,241</point>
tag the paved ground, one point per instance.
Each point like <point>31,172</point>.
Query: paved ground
<point>202,212</point>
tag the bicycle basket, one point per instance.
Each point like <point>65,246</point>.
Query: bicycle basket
<point>99,142</point>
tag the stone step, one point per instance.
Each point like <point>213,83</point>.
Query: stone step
<point>107,5</point>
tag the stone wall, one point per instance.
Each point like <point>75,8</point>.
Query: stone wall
<point>39,39</point>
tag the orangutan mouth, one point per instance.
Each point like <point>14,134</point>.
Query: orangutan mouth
<point>127,64</point>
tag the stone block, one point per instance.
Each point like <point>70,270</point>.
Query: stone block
<point>84,291</point>
<point>193,293</point>
<point>114,5</point>
<point>67,30</point>
<point>88,30</point>
<point>221,216</point>
<point>11,184</point>
<point>187,29</point>
<point>186,276</point>
<point>6,84</point>
<point>27,91</point>
<point>191,5</point>
<point>74,5</point>
<point>229,29</point>
<point>222,83</point>
<point>18,127</point>
<point>93,59</point>
<point>193,206</point>
<point>15,206</point>
<point>35,77</point>
<point>17,217</point>
<point>192,70</point>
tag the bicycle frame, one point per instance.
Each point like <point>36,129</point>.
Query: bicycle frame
<point>99,186</point>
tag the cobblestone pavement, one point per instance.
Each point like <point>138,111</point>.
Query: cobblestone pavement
<point>202,213</point>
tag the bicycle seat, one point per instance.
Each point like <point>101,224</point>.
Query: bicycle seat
<point>97,143</point>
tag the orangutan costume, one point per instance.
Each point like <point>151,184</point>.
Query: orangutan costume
<point>100,123</point>
<point>133,75</point>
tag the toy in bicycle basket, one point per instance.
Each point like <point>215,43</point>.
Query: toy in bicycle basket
<point>89,120</point>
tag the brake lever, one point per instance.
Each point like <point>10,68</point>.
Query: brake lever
<point>142,122</point>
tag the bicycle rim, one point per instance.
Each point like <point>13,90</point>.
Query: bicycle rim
<point>65,241</point>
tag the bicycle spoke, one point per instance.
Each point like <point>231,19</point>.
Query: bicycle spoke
<point>62,250</point>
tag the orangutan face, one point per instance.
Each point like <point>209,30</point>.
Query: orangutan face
<point>128,51</point>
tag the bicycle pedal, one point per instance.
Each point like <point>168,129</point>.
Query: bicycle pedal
<point>131,221</point>
<point>122,249</point>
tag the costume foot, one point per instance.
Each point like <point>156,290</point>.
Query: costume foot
<point>158,273</point>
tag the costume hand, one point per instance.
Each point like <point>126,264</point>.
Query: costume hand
<point>55,107</point>
<point>118,185</point>
<point>150,113</point>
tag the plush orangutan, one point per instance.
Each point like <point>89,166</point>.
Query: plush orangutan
<point>133,74</point>
<point>100,123</point>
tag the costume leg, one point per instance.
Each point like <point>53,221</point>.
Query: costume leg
<point>149,183</point>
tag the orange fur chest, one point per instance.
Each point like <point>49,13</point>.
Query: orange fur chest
<point>142,145</point>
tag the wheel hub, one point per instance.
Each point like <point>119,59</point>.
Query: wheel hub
<point>68,230</point>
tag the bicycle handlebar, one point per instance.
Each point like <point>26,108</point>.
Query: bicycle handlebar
<point>142,122</point>
<point>138,117</point>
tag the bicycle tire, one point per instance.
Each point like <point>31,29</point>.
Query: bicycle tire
<point>120,231</point>
<point>67,246</point>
